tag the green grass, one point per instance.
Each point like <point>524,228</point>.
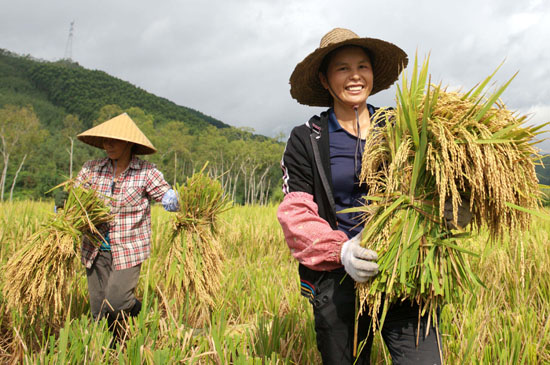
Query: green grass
<point>261,317</point>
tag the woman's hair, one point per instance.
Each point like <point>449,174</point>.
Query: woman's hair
<point>324,64</point>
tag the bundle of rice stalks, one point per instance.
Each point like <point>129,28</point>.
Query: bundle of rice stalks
<point>440,146</point>
<point>39,276</point>
<point>194,260</point>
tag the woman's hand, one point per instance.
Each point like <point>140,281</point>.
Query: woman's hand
<point>358,261</point>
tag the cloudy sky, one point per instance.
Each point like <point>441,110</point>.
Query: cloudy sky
<point>232,59</point>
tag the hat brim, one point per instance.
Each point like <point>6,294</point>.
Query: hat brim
<point>387,60</point>
<point>97,141</point>
<point>121,128</point>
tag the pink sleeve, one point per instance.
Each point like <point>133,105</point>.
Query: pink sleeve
<point>311,239</point>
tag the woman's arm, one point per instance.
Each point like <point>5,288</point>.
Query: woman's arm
<point>311,239</point>
<point>83,176</point>
<point>155,185</point>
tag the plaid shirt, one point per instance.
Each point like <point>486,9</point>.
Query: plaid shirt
<point>130,231</point>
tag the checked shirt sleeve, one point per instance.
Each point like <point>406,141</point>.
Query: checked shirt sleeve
<point>85,174</point>
<point>155,185</point>
<point>311,239</point>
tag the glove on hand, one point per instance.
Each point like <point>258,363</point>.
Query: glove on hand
<point>464,214</point>
<point>357,260</point>
<point>170,201</point>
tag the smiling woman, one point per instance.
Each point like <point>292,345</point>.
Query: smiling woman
<point>321,167</point>
<point>348,76</point>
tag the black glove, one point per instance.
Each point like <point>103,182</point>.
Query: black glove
<point>60,197</point>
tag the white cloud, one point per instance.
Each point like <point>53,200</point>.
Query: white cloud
<point>522,21</point>
<point>233,59</point>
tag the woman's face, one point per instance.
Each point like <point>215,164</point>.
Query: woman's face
<point>117,149</point>
<point>349,76</point>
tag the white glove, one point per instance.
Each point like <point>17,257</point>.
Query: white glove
<point>464,214</point>
<point>357,260</point>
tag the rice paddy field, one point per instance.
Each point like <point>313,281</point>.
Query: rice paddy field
<point>259,315</point>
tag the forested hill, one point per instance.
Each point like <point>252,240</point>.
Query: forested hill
<point>83,92</point>
<point>44,105</point>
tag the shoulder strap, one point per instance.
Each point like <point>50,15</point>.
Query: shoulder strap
<point>314,137</point>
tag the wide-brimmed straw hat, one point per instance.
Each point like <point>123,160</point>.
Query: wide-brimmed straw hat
<point>121,127</point>
<point>387,60</point>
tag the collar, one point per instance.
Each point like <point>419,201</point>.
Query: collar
<point>134,162</point>
<point>334,125</point>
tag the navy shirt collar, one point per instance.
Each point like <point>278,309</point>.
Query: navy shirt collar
<point>333,124</point>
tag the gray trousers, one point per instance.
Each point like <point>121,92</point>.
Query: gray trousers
<point>111,291</point>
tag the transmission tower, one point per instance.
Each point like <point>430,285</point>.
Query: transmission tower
<point>69,46</point>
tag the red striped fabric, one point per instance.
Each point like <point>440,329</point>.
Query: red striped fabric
<point>130,231</point>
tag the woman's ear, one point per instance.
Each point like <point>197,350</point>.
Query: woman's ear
<point>323,80</point>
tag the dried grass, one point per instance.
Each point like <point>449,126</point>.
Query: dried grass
<point>194,261</point>
<point>439,145</point>
<point>39,277</point>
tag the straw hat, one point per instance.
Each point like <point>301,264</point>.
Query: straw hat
<point>387,60</point>
<point>121,127</point>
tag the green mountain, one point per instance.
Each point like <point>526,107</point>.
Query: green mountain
<point>83,92</point>
<point>64,99</point>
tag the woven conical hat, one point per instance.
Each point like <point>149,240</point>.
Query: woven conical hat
<point>121,127</point>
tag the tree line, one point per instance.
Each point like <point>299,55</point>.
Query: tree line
<point>44,105</point>
<point>34,160</point>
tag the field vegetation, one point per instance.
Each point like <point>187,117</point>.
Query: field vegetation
<point>260,317</point>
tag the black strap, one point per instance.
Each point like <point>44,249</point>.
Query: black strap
<point>321,169</point>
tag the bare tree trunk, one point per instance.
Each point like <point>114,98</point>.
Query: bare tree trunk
<point>222,173</point>
<point>227,186</point>
<point>70,159</point>
<point>245,181</point>
<point>260,190</point>
<point>16,174</point>
<point>252,189</point>
<point>266,196</point>
<point>235,183</point>
<point>214,171</point>
<point>4,173</point>
<point>261,184</point>
<point>253,192</point>
<point>247,178</point>
<point>246,188</point>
